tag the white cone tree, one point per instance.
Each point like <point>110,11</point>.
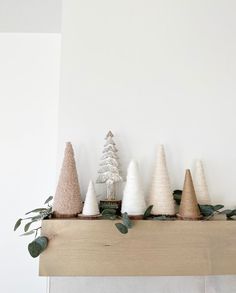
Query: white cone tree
<point>201,184</point>
<point>109,172</point>
<point>133,201</point>
<point>67,201</point>
<point>161,193</point>
<point>90,205</point>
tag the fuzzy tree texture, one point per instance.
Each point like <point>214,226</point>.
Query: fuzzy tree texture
<point>109,172</point>
<point>90,205</point>
<point>67,201</point>
<point>189,206</point>
<point>161,193</point>
<point>201,184</point>
<point>133,201</point>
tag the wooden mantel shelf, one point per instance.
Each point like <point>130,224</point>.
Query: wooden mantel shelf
<point>151,248</point>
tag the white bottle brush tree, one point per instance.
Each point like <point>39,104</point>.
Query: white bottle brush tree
<point>109,172</point>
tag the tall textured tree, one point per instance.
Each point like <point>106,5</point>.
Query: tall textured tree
<point>109,172</point>
<point>201,184</point>
<point>67,202</point>
<point>160,193</point>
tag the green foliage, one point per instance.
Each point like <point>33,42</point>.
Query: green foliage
<point>17,224</point>
<point>122,228</point>
<point>148,211</point>
<point>37,246</point>
<point>177,194</point>
<point>229,214</point>
<point>109,214</point>
<point>35,216</point>
<point>126,221</point>
<point>164,218</point>
<point>209,211</point>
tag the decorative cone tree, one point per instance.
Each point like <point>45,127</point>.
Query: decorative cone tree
<point>90,208</point>
<point>189,209</point>
<point>161,194</point>
<point>133,201</point>
<point>201,185</point>
<point>67,201</point>
<point>109,172</point>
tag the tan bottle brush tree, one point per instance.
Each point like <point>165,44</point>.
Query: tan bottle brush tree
<point>189,209</point>
<point>67,201</point>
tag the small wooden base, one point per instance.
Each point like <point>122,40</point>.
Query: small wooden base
<point>136,217</point>
<point>85,217</point>
<point>61,216</point>
<point>189,219</point>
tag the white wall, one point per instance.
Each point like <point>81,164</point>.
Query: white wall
<point>153,72</point>
<point>29,89</point>
<point>38,16</point>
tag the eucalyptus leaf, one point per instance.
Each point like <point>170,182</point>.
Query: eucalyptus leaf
<point>28,233</point>
<point>163,218</point>
<point>206,210</point>
<point>231,213</point>
<point>177,194</point>
<point>39,210</point>
<point>122,228</point>
<point>37,246</point>
<point>109,212</point>
<point>218,207</point>
<point>17,224</point>
<point>148,211</point>
<point>126,220</point>
<point>48,199</point>
<point>109,217</point>
<point>27,226</point>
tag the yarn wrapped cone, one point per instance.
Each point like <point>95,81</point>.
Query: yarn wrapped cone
<point>91,205</point>
<point>161,194</point>
<point>67,201</point>
<point>189,209</point>
<point>201,184</point>
<point>133,201</point>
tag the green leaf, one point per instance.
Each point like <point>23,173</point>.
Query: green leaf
<point>177,194</point>
<point>48,199</point>
<point>17,224</point>
<point>148,211</point>
<point>108,212</point>
<point>37,246</point>
<point>39,210</point>
<point>122,228</point>
<point>28,233</point>
<point>26,228</point>
<point>109,217</point>
<point>218,207</point>
<point>231,213</point>
<point>126,220</point>
<point>163,218</point>
<point>206,210</point>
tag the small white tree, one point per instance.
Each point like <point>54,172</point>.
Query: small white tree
<point>201,184</point>
<point>109,172</point>
<point>91,205</point>
<point>133,201</point>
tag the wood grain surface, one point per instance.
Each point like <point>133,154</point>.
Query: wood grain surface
<point>151,248</point>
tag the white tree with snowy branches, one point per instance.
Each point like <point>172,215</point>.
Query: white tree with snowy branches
<point>109,172</point>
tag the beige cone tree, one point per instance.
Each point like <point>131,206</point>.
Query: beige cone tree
<point>67,201</point>
<point>161,194</point>
<point>133,201</point>
<point>201,184</point>
<point>189,209</point>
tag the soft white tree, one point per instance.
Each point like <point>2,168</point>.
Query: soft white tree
<point>90,205</point>
<point>133,201</point>
<point>201,184</point>
<point>161,193</point>
<point>109,172</point>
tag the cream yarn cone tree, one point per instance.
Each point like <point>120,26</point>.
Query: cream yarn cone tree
<point>91,205</point>
<point>161,194</point>
<point>67,201</point>
<point>201,184</point>
<point>133,201</point>
<point>189,209</point>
